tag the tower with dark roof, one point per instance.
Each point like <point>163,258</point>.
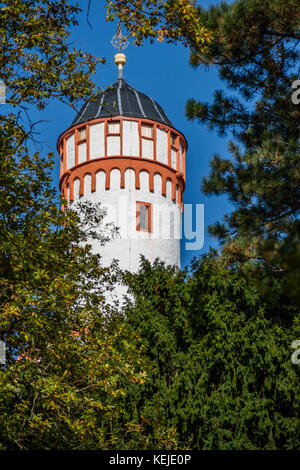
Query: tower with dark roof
<point>123,151</point>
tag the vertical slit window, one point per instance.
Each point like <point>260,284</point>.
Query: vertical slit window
<point>143,215</point>
<point>82,134</point>
<point>173,139</point>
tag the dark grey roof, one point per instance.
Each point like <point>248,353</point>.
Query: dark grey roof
<point>121,99</point>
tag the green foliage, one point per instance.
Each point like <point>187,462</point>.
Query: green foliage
<point>37,63</point>
<point>222,372</point>
<point>175,21</point>
<point>256,47</point>
<point>70,361</point>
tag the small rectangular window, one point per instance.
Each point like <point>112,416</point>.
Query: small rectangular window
<point>173,139</point>
<point>143,216</point>
<point>147,131</point>
<point>82,134</point>
<point>114,127</point>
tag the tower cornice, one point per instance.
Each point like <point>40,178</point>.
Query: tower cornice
<point>122,164</point>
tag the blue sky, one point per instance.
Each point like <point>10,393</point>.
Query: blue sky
<point>163,72</point>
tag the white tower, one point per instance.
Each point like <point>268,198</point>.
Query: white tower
<point>122,150</point>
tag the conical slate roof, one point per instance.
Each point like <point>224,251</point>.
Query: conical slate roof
<point>121,99</point>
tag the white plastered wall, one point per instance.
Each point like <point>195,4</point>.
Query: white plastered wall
<point>164,240</point>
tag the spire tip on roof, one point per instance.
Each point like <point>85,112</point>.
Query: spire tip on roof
<point>120,42</point>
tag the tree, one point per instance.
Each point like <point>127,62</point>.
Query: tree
<point>255,46</point>
<point>222,372</point>
<point>37,62</point>
<point>174,21</point>
<point>70,363</point>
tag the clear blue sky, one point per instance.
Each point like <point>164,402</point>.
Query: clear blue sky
<point>163,72</point>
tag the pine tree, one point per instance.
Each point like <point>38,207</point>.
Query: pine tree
<point>220,374</point>
<point>256,49</point>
